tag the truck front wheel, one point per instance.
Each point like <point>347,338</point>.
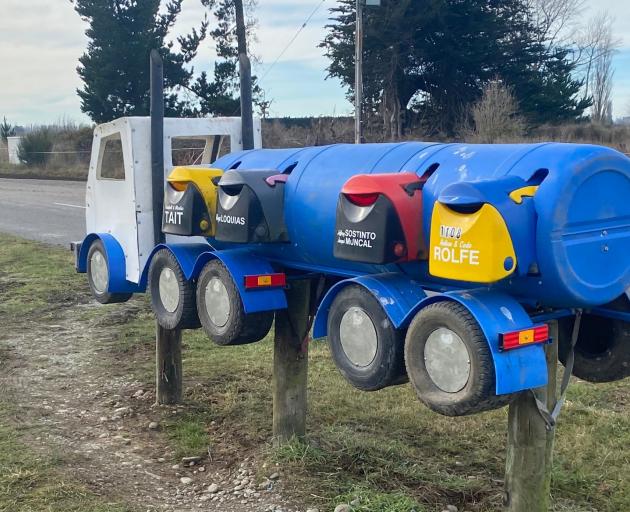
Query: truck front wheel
<point>172,295</point>
<point>365,346</point>
<point>98,275</point>
<point>221,309</point>
<point>449,361</point>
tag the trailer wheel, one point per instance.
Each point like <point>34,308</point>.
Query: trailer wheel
<point>449,361</point>
<point>98,275</point>
<point>602,351</point>
<point>172,295</point>
<point>365,346</point>
<point>221,309</point>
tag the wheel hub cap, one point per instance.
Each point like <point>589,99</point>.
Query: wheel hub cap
<point>217,302</point>
<point>358,337</point>
<point>169,290</point>
<point>99,272</point>
<point>447,360</point>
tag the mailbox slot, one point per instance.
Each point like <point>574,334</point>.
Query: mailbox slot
<point>190,202</point>
<point>250,207</point>
<point>379,219</point>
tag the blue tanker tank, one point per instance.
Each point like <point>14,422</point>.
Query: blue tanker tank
<point>571,235</point>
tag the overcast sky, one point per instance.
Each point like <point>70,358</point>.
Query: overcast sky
<point>41,40</point>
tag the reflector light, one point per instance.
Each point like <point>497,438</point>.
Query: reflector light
<point>515,339</point>
<point>362,199</point>
<point>265,281</point>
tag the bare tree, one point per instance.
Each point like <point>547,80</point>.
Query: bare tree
<point>557,20</point>
<point>595,42</point>
<point>600,46</point>
<point>496,115</point>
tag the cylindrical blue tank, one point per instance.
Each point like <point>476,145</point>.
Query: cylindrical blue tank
<point>582,208</point>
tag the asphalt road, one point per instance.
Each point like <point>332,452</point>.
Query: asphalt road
<point>49,211</point>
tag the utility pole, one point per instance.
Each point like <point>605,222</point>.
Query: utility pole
<point>358,75</point>
<point>245,71</point>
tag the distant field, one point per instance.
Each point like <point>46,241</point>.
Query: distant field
<point>73,144</point>
<point>384,448</point>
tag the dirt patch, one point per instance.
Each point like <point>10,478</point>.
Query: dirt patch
<point>72,394</point>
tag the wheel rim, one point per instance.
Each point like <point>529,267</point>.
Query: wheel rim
<point>358,337</point>
<point>447,360</point>
<point>99,272</point>
<point>217,302</point>
<point>169,290</point>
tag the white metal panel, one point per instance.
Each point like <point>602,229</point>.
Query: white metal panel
<point>125,208</point>
<point>110,203</point>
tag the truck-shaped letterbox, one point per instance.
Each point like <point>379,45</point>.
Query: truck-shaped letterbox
<point>441,263</point>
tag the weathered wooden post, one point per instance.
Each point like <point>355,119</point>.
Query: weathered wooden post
<point>168,366</point>
<point>530,443</point>
<point>168,343</point>
<point>290,364</point>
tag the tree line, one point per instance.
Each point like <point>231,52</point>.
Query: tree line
<point>427,62</point>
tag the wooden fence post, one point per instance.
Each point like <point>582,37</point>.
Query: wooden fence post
<point>168,365</point>
<point>530,444</point>
<point>290,365</point>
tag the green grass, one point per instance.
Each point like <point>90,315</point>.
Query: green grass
<point>189,435</point>
<point>383,447</point>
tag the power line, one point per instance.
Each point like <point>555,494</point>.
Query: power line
<point>299,31</point>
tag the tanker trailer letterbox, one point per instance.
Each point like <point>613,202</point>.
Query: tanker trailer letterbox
<point>379,219</point>
<point>251,207</point>
<point>483,231</point>
<point>190,202</point>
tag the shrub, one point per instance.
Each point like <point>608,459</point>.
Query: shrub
<point>35,147</point>
<point>496,116</point>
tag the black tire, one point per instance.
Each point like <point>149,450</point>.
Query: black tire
<point>602,351</point>
<point>239,328</point>
<point>184,315</point>
<point>478,392</point>
<point>97,249</point>
<point>387,367</point>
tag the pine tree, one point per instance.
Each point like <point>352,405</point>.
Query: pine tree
<point>221,94</point>
<point>115,67</point>
<point>431,59</point>
<point>6,130</point>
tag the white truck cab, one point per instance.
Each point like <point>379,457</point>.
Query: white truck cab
<point>119,192</point>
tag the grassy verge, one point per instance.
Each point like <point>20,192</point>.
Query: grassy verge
<point>35,282</point>
<point>30,482</point>
<point>384,448</point>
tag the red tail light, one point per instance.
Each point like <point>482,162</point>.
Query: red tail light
<point>515,339</point>
<point>362,199</point>
<point>265,281</point>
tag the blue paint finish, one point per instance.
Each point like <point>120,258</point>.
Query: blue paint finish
<point>397,293</point>
<point>571,239</point>
<point>85,247</point>
<point>243,262</point>
<point>624,316</point>
<point>497,313</point>
<point>187,256</point>
<point>115,263</point>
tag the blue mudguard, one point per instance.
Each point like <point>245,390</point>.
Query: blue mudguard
<point>185,254</point>
<point>516,370</point>
<point>241,263</point>
<point>115,261</point>
<point>397,293</point>
<point>497,313</point>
